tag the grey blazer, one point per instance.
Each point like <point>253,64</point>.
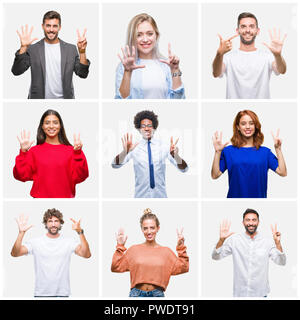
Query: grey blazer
<point>34,57</point>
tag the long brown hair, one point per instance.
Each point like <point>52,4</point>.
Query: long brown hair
<point>237,139</point>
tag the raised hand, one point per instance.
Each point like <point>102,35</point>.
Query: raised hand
<point>22,222</point>
<point>127,143</point>
<point>76,225</point>
<point>277,140</point>
<point>77,142</point>
<point>24,140</point>
<point>25,36</point>
<point>276,43</point>
<point>225,230</point>
<point>173,147</point>
<point>180,237</point>
<point>128,59</point>
<point>276,234</point>
<point>81,41</point>
<point>121,237</point>
<point>217,142</point>
<point>173,61</point>
<point>225,45</point>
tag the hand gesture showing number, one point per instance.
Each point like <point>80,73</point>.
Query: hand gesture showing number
<point>127,143</point>
<point>225,45</point>
<point>22,222</point>
<point>173,61</point>
<point>25,36</point>
<point>121,237</point>
<point>173,147</point>
<point>77,142</point>
<point>276,43</point>
<point>217,142</point>
<point>81,41</point>
<point>225,230</point>
<point>24,140</point>
<point>180,237</point>
<point>128,59</point>
<point>277,140</point>
<point>76,225</point>
<point>276,234</point>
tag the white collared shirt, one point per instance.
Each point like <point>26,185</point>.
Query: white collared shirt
<point>250,263</point>
<point>160,151</point>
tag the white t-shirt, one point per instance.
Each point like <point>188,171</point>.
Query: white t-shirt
<point>53,82</point>
<point>248,74</point>
<point>154,81</point>
<point>51,263</point>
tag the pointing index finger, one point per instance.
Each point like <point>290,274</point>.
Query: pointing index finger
<point>236,35</point>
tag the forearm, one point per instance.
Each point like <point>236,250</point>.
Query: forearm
<point>181,164</point>
<point>125,84</point>
<point>281,170</point>
<point>83,59</point>
<point>84,247</point>
<point>278,246</point>
<point>176,80</point>
<point>218,65</point>
<point>120,157</point>
<point>119,261</point>
<point>215,170</point>
<point>23,49</point>
<point>280,64</point>
<point>16,249</point>
<point>220,243</point>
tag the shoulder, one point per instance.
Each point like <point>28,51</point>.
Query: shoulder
<point>229,149</point>
<point>36,45</point>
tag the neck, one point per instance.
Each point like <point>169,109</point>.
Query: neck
<point>151,243</point>
<point>248,142</point>
<point>251,235</point>
<point>52,236</point>
<point>51,41</point>
<point>53,140</point>
<point>247,47</point>
<point>146,56</point>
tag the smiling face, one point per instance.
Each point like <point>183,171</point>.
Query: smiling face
<point>250,223</point>
<point>51,28</point>
<point>149,229</point>
<point>246,126</point>
<point>53,226</point>
<point>145,40</point>
<point>247,30</point>
<point>51,126</point>
<point>146,129</point>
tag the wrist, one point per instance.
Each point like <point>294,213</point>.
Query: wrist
<point>81,51</point>
<point>79,231</point>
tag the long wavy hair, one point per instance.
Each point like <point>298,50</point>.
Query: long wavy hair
<point>132,33</point>
<point>41,136</point>
<point>237,139</point>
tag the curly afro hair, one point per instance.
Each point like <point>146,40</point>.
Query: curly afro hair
<point>150,115</point>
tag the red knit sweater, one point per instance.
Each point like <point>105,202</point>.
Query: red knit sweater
<point>54,170</point>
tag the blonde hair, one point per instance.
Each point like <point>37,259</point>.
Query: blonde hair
<point>132,33</point>
<point>149,215</point>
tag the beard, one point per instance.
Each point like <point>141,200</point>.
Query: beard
<point>46,35</point>
<point>247,42</point>
<point>53,230</point>
<point>251,232</point>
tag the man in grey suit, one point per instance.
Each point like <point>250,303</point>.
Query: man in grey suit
<point>52,60</point>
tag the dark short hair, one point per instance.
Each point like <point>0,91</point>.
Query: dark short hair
<point>246,15</point>
<point>52,15</point>
<point>52,213</point>
<point>150,115</point>
<point>250,211</point>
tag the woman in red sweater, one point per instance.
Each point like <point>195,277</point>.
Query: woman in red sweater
<point>54,165</point>
<point>150,265</point>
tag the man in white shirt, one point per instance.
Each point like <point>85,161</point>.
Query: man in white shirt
<point>52,60</point>
<point>248,69</point>
<point>52,253</point>
<point>149,156</point>
<point>250,252</point>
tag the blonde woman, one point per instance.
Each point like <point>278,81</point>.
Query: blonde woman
<point>143,72</point>
<point>150,264</point>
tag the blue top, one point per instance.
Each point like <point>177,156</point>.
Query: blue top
<point>136,85</point>
<point>247,170</point>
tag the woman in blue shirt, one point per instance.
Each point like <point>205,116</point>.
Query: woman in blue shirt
<point>143,73</point>
<point>246,160</point>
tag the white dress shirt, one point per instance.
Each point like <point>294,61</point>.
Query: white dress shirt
<point>160,151</point>
<point>250,263</point>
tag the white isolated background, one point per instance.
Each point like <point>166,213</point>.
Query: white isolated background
<point>217,276</point>
<point>177,119</point>
<point>272,116</point>
<point>19,273</point>
<point>222,18</point>
<point>177,24</point>
<point>74,16</point>
<point>77,118</point>
<point>172,215</point>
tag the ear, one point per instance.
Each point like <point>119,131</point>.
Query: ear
<point>158,228</point>
<point>237,30</point>
<point>258,30</point>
